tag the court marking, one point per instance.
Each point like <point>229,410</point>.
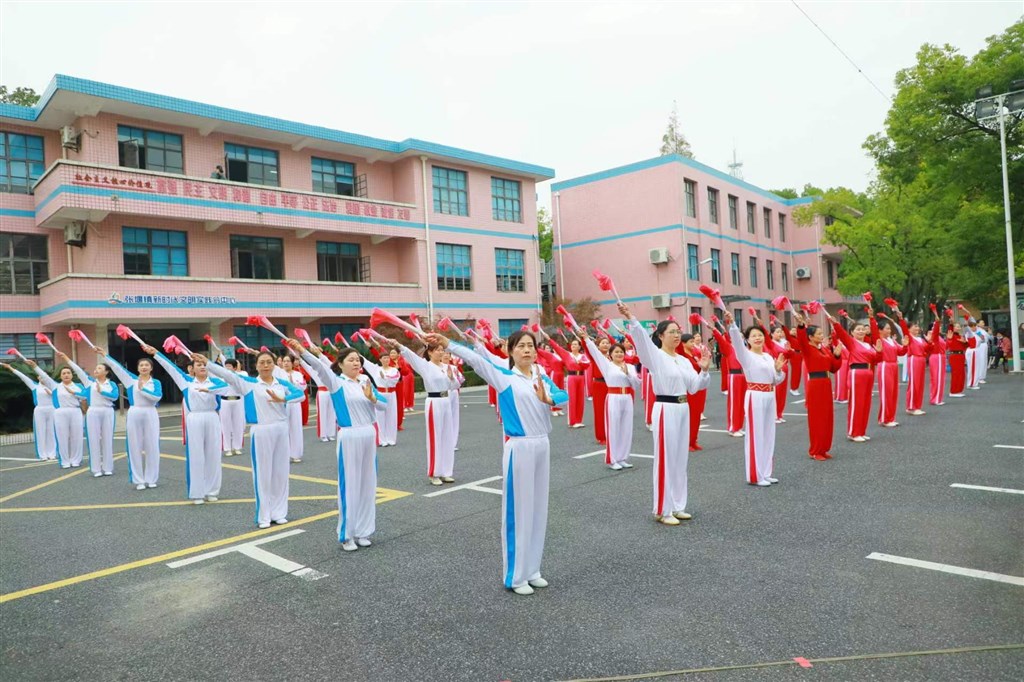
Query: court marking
<point>30,466</point>
<point>947,568</point>
<point>136,505</point>
<point>20,459</point>
<point>794,414</point>
<point>472,485</point>
<point>1010,447</point>
<point>601,452</point>
<point>986,488</point>
<point>239,467</point>
<point>254,551</point>
<point>81,470</point>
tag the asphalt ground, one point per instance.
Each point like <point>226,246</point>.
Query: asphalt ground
<point>760,577</point>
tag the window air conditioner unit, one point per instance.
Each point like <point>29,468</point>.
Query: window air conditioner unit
<point>69,138</point>
<point>74,233</point>
<point>660,301</point>
<point>803,273</point>
<point>659,255</point>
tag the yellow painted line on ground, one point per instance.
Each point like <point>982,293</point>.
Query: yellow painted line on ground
<point>29,466</point>
<point>383,495</point>
<point>238,467</point>
<point>81,470</point>
<point>173,503</point>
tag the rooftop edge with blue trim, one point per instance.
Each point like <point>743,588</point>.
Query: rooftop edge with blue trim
<point>148,99</point>
<point>674,158</point>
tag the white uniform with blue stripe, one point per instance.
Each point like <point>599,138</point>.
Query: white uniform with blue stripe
<point>202,428</point>
<point>525,463</point>
<point>268,438</point>
<point>143,425</point>
<point>42,417</point>
<point>99,420</point>
<point>386,410</point>
<point>357,450</point>
<point>67,418</point>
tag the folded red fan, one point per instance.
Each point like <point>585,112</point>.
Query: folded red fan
<point>933,308</point>
<point>714,295</point>
<point>303,336</point>
<point>892,303</point>
<point>866,296</point>
<point>783,303</point>
<point>751,311</point>
<point>842,312</point>
<point>696,319</point>
<point>814,307</point>
<point>264,321</point>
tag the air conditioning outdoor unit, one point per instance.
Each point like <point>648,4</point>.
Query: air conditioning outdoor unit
<point>803,273</point>
<point>659,255</point>
<point>659,301</point>
<point>69,137</point>
<point>74,233</point>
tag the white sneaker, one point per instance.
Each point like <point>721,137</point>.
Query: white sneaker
<point>867,437</point>
<point>538,582</point>
<point>363,542</point>
<point>792,392</point>
<point>211,498</point>
<point>764,484</point>
<point>97,474</point>
<point>141,486</point>
<point>615,466</point>
<point>982,382</point>
<point>737,434</point>
<point>779,420</point>
<point>237,452</point>
<point>435,481</point>
<point>65,466</point>
<point>264,524</point>
<point>296,460</point>
<point>627,465</point>
<point>349,546</point>
<point>229,453</point>
<point>859,439</point>
<point>151,485</point>
<point>772,480</point>
<point>956,395</point>
<point>281,522</point>
<point>331,438</point>
<point>199,501</point>
<point>523,589</point>
<point>324,439</point>
<point>108,473</point>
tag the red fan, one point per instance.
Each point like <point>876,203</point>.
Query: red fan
<point>842,312</point>
<point>213,344</point>
<point>379,317</point>
<point>752,312</point>
<point>696,319</point>
<point>415,322</point>
<point>327,342</point>
<point>524,328</point>
<point>933,308</point>
<point>606,284</point>
<point>535,328</point>
<point>172,344</point>
<point>264,321</point>
<point>880,315</point>
<point>340,338</point>
<point>814,307</point>
<point>714,319</point>
<point>867,309</point>
<point>409,334</point>
<point>714,295</point>
<point>866,296</point>
<point>606,324</point>
<point>14,351</point>
<point>671,318</point>
<point>264,349</point>
<point>783,303</point>
<point>772,320</point>
<point>570,321</point>
<point>949,313</point>
<point>892,303</point>
<point>78,336</point>
<point>444,324</point>
<point>43,338</point>
<point>125,332</point>
<point>303,336</point>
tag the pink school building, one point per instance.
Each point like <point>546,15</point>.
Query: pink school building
<point>113,210</point>
<point>662,227</point>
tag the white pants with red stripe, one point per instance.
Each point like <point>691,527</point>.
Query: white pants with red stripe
<point>936,377</point>
<point>99,428</point>
<point>440,444</point>
<point>268,445</point>
<point>387,419</point>
<point>232,424</point>
<point>526,464</point>
<point>974,362</point>
<point>326,422</point>
<point>357,482</point>
<point>759,440</point>
<point>453,400</point>
<point>295,447</point>
<point>202,455</point>
<point>671,423</point>
<point>618,427</point>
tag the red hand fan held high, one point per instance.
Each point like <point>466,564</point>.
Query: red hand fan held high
<point>264,321</point>
<point>15,351</point>
<point>379,317</point>
<point>606,284</point>
<point>714,296</point>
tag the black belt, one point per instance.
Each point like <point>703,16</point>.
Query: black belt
<point>574,373</point>
<point>956,352</point>
<point>670,399</point>
<point>601,379</point>
<point>230,397</point>
<point>860,365</point>
<point>818,375</point>
<point>735,371</point>
<point>439,394</point>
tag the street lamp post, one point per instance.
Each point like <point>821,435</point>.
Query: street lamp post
<point>988,107</point>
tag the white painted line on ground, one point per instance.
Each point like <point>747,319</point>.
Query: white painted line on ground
<point>987,488</point>
<point>253,551</point>
<point>794,414</point>
<point>601,452</point>
<point>473,485</point>
<point>21,459</point>
<point>1010,447</point>
<point>946,568</point>
<point>707,430</point>
<point>798,402</point>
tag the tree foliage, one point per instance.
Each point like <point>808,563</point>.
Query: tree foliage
<point>931,226</point>
<point>673,141</point>
<point>25,97</point>
<point>583,310</point>
<point>545,236</point>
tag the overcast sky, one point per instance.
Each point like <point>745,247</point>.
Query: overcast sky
<point>576,86</point>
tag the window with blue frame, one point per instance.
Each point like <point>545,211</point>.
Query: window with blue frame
<point>327,331</point>
<point>338,262</point>
<point>251,164</point>
<point>334,177</point>
<point>769,274</point>
<point>450,194</point>
<point>507,327</point>
<point>753,271</point>
<point>30,348</point>
<point>21,162</point>
<point>24,262</point>
<point>734,262</point>
<point>154,252</point>
<point>254,337</point>
<point>149,149</point>
<point>505,200</point>
<point>692,261</point>
<point>716,266</point>
<point>510,269</point>
<point>454,268</point>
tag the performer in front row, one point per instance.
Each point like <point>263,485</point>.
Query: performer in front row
<point>232,414</point>
<point>67,413</point>
<point>42,415</point>
<point>673,379</point>
<point>819,360</point>
<point>101,395</point>
<point>525,399</point>
<point>621,384</point>
<point>763,373</point>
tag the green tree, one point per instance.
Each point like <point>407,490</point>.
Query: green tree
<point>25,97</point>
<point>545,236</point>
<point>673,141</point>
<point>787,193</point>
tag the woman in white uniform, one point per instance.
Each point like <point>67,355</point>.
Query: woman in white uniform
<point>102,395</point>
<point>622,383</point>
<point>67,399</point>
<point>287,372</point>
<point>42,415</point>
<point>386,379</point>
<point>232,415</point>
<point>440,441</point>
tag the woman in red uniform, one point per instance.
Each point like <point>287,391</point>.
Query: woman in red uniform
<point>957,365</point>
<point>819,360</point>
<point>690,351</point>
<point>401,388</point>
<point>917,359</point>
<point>575,368</point>
<point>862,377</point>
<point>936,363</point>
<point>888,370</point>
<point>737,385</point>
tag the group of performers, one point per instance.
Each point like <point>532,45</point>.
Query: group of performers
<point>361,400</point>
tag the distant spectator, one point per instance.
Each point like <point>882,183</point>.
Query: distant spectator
<point>218,174</point>
<point>1004,351</point>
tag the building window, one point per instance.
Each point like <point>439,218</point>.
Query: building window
<point>327,331</point>
<point>750,218</point>
<point>734,263</point>
<point>30,348</point>
<point>509,269</point>
<point>829,220</point>
<point>733,212</point>
<point>695,328</point>
<point>255,337</point>
<point>454,269</point>
<point>737,315</point>
<point>505,200</point>
<point>154,252</point>
<point>691,198</point>
<point>713,205</point>
<point>716,266</point>
<point>338,262</point>
<point>753,272</point>
<point>251,164</point>
<point>830,275</point>
<point>692,261</point>
<point>149,149</point>
<point>450,191</point>
<point>769,274</point>
<point>785,276</point>
<point>782,227</point>
<point>334,177</point>
<point>257,257</point>
<point>23,263</point>
<point>508,327</point>
<point>768,223</point>
<point>21,162</point>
